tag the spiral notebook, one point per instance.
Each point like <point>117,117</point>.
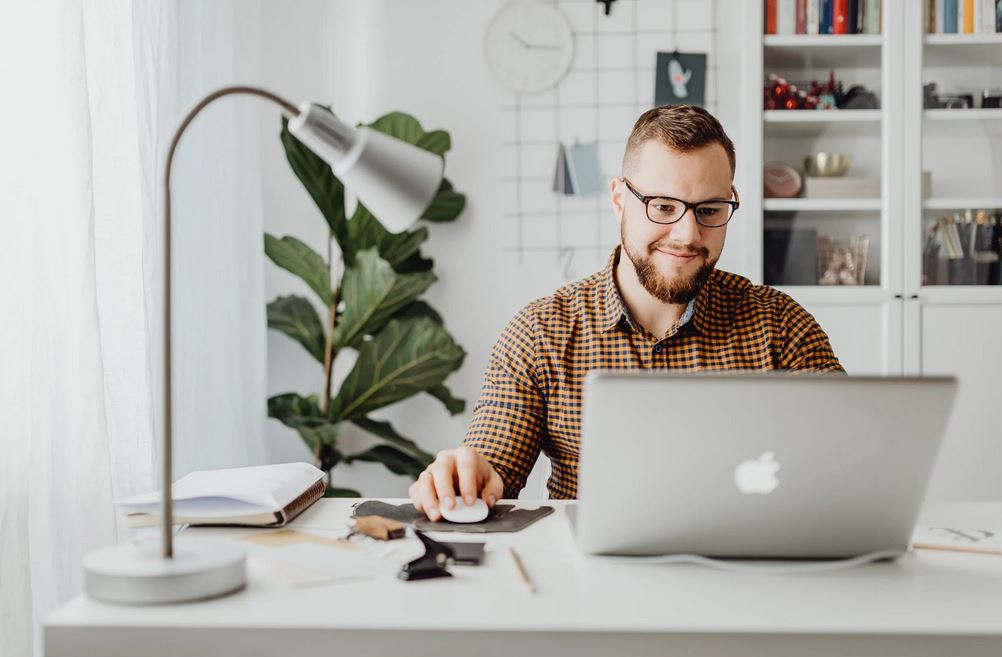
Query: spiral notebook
<point>257,496</point>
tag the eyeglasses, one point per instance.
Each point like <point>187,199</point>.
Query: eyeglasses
<point>668,210</point>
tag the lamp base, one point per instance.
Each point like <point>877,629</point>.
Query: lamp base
<point>137,573</point>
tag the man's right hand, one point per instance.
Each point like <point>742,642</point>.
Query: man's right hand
<point>463,471</point>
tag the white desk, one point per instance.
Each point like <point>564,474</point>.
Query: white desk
<point>926,604</point>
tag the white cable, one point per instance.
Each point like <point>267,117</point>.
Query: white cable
<point>767,569</point>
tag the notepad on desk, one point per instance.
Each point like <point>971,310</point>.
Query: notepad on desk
<point>257,496</point>
<point>980,541</point>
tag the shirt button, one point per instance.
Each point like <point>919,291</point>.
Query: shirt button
<point>657,348</point>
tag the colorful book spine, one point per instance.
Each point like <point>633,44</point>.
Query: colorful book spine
<point>968,16</point>
<point>873,8</point>
<point>987,23</point>
<point>814,16</point>
<point>998,15</point>
<point>770,16</point>
<point>826,16</point>
<point>950,16</point>
<point>802,16</point>
<point>840,15</point>
<point>786,16</point>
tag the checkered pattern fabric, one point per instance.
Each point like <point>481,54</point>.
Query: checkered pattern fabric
<point>531,398</point>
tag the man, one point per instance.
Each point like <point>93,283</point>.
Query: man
<point>658,304</point>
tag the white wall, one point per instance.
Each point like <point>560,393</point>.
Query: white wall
<point>425,58</point>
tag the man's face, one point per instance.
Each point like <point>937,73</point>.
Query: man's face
<point>672,261</point>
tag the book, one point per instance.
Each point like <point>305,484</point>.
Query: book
<point>770,16</point>
<point>980,541</point>
<point>840,16</point>
<point>826,16</point>
<point>814,16</point>
<point>842,187</point>
<point>968,14</point>
<point>852,21</point>
<point>998,15</point>
<point>987,24</point>
<point>940,10</point>
<point>873,8</point>
<point>950,16</point>
<point>256,496</point>
<point>786,16</point>
<point>802,16</point>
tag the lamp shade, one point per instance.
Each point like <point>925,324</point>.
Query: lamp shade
<point>395,180</point>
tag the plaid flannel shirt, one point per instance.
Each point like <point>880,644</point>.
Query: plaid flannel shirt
<point>532,392</point>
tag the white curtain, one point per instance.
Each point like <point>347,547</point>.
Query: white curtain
<point>91,92</point>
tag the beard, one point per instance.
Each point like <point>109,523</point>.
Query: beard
<point>676,290</point>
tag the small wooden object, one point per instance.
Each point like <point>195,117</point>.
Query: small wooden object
<point>380,528</point>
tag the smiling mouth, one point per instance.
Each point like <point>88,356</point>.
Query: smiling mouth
<point>681,256</point>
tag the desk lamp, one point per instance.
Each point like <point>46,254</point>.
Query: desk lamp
<point>396,182</point>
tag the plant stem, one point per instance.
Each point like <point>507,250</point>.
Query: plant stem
<point>329,351</point>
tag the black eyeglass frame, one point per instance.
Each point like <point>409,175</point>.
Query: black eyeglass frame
<point>735,204</point>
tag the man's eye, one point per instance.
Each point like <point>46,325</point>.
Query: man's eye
<point>663,207</point>
<point>708,212</point>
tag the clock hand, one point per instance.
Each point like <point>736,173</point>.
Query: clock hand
<point>518,38</point>
<point>532,46</point>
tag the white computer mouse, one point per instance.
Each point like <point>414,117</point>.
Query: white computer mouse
<point>462,512</point>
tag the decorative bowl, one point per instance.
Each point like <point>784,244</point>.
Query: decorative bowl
<point>827,164</point>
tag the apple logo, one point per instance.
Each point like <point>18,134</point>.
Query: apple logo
<point>758,476</point>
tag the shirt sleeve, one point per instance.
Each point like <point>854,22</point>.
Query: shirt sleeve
<point>509,419</point>
<point>805,344</point>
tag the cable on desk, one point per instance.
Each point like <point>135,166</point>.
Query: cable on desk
<point>766,569</point>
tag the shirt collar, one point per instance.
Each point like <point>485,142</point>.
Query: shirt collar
<point>614,310</point>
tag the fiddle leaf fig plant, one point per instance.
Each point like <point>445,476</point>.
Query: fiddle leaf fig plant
<point>402,346</point>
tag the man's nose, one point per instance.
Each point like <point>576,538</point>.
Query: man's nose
<point>686,229</point>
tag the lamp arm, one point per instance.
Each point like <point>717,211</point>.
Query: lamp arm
<point>166,525</point>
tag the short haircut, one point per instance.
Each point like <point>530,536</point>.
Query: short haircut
<point>682,128</point>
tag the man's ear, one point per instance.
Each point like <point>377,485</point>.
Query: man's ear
<point>617,190</point>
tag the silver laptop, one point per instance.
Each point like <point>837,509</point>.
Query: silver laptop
<point>755,465</point>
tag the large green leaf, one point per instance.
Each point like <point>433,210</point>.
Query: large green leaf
<point>296,317</point>
<point>436,141</point>
<point>404,358</point>
<point>419,309</point>
<point>321,183</point>
<point>400,125</point>
<point>372,293</point>
<point>444,395</point>
<point>386,431</point>
<point>297,258</point>
<point>447,204</point>
<point>303,414</point>
<point>365,232</point>
<point>398,462</point>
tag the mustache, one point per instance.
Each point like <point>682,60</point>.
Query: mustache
<point>683,249</point>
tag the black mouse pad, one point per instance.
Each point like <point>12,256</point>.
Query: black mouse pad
<point>502,518</point>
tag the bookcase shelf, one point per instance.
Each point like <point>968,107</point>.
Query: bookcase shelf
<point>963,39</point>
<point>973,114</point>
<point>823,40</point>
<point>821,116</point>
<point>962,203</point>
<point>821,204</point>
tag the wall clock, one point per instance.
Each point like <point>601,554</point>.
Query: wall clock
<point>529,46</point>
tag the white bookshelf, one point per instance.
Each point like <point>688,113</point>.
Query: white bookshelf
<point>971,114</point>
<point>901,326</point>
<point>821,116</point>
<point>962,203</point>
<point>962,39</point>
<point>841,41</point>
<point>821,204</point>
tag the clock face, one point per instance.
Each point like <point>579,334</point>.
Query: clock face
<point>529,46</point>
